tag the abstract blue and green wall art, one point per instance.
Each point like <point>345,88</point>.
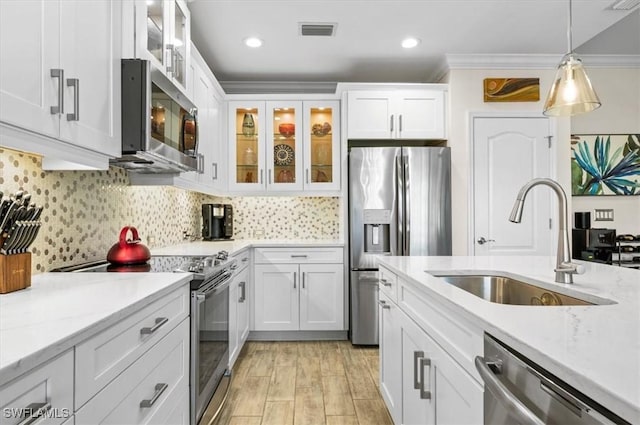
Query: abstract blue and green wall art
<point>605,164</point>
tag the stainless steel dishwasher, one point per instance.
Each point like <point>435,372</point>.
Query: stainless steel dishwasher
<point>517,391</point>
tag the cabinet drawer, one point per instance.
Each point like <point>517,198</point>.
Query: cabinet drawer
<point>299,255</point>
<point>103,357</point>
<point>48,384</point>
<point>459,337</point>
<point>160,376</point>
<point>389,284</point>
<point>243,258</point>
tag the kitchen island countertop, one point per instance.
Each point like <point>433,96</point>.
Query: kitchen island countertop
<point>60,310</point>
<point>596,349</point>
<point>232,247</point>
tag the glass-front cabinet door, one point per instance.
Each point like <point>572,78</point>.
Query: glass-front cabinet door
<point>163,28</point>
<point>155,23</point>
<point>284,146</point>
<point>321,145</point>
<point>247,144</point>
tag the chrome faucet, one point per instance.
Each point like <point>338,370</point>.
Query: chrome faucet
<point>565,269</point>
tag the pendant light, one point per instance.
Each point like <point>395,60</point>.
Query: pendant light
<point>571,92</point>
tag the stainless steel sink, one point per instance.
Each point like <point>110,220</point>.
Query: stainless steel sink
<point>507,290</point>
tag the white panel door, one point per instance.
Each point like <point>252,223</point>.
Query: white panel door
<point>322,297</point>
<point>369,115</point>
<point>389,321</point>
<point>420,114</point>
<point>276,297</point>
<point>30,49</point>
<point>90,36</point>
<point>508,152</point>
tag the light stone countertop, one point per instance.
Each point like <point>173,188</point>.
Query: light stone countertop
<point>595,349</point>
<point>232,247</point>
<point>60,310</point>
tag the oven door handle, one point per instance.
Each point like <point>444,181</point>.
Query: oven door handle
<point>212,290</point>
<point>512,403</point>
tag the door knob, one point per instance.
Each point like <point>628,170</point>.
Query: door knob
<point>483,241</point>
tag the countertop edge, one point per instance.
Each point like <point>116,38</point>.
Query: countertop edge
<point>26,364</point>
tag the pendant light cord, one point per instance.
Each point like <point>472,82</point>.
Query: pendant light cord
<point>570,30</point>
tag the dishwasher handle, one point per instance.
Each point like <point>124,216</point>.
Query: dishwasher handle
<point>504,396</point>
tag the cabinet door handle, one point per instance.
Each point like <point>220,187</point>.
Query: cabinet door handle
<point>75,83</point>
<point>160,388</point>
<point>269,176</point>
<point>400,120</point>
<point>424,394</point>
<point>303,273</point>
<point>261,170</point>
<point>214,171</point>
<point>307,172</point>
<point>295,277</point>
<point>169,63</point>
<point>59,74</point>
<point>34,412</point>
<point>242,292</point>
<point>159,322</point>
<point>385,282</point>
<point>417,355</point>
<point>391,123</point>
<point>299,256</point>
<point>384,305</point>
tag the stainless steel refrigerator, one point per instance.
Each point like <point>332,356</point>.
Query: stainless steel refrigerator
<point>399,204</point>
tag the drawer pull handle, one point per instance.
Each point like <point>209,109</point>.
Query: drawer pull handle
<point>245,259</point>
<point>159,322</point>
<point>34,412</point>
<point>298,256</point>
<point>385,282</point>
<point>160,388</point>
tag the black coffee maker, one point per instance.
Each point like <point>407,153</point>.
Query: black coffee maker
<point>217,222</point>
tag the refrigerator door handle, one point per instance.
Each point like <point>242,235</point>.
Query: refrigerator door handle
<point>399,205</point>
<point>407,208</point>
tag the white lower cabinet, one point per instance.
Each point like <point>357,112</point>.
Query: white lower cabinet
<point>239,310</point>
<point>49,387</point>
<point>136,371</point>
<point>390,356</point>
<point>420,382</point>
<point>294,290</point>
<point>143,389</point>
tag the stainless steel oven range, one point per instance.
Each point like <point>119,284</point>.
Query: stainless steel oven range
<point>209,375</point>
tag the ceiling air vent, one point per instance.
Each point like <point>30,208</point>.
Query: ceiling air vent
<point>317,29</point>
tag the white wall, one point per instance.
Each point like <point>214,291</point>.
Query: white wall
<point>466,96</point>
<point>619,92</point>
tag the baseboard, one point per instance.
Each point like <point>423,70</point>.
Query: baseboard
<point>297,335</point>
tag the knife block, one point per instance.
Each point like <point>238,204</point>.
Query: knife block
<point>15,272</point>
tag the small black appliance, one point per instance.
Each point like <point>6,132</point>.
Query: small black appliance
<point>217,222</point>
<point>595,245</point>
<point>582,220</point>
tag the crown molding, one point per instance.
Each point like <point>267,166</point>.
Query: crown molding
<point>536,61</point>
<point>277,87</point>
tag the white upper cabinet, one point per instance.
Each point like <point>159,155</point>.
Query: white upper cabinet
<point>284,146</point>
<point>60,78</point>
<point>396,114</point>
<point>163,36</point>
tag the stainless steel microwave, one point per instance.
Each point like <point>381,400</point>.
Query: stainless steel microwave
<point>159,123</point>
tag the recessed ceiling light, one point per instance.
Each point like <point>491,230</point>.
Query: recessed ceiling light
<point>409,43</point>
<point>253,42</point>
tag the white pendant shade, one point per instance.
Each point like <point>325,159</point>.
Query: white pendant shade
<point>571,92</point>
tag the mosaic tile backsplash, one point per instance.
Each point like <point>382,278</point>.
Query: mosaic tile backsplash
<point>85,210</point>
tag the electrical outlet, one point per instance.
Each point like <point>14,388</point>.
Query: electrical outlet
<point>604,215</point>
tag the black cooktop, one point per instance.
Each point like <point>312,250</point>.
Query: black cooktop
<point>157,264</point>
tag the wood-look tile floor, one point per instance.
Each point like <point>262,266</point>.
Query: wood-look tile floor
<point>309,382</point>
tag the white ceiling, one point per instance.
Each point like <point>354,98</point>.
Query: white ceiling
<point>366,46</point>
